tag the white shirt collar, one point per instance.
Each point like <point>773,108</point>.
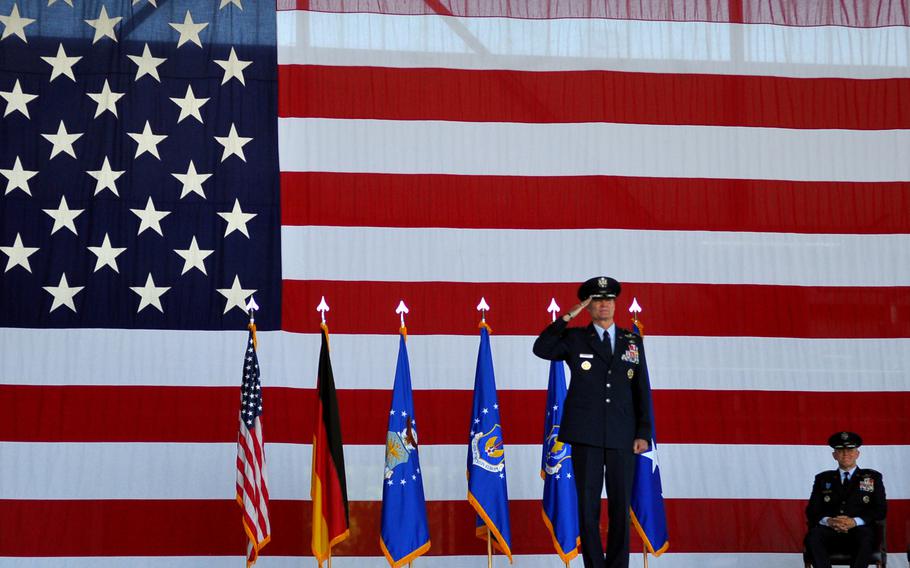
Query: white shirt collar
<point>611,330</point>
<point>850,471</point>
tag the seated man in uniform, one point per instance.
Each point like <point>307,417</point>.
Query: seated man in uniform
<point>844,506</point>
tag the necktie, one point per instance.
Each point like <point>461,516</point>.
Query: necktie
<point>606,340</point>
<point>846,478</point>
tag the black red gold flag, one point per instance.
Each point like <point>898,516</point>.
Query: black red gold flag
<point>328,488</point>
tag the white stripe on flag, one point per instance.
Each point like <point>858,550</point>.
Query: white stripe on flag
<point>498,148</point>
<point>516,255</point>
<point>313,38</point>
<point>200,471</point>
<point>117,357</point>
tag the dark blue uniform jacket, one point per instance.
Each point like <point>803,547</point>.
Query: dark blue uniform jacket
<point>863,497</point>
<point>608,403</point>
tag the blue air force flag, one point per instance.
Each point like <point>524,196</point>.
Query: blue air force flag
<point>648,515</point>
<point>560,500</point>
<point>405,534</point>
<point>487,488</point>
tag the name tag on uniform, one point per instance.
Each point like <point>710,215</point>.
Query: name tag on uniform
<point>586,355</point>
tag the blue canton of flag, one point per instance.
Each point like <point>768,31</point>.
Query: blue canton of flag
<point>405,533</point>
<point>487,488</point>
<point>139,164</point>
<point>648,515</point>
<point>560,499</point>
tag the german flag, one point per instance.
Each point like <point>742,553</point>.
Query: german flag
<point>328,490</point>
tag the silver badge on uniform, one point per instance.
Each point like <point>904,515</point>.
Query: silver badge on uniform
<point>586,366</point>
<point>865,498</point>
<point>630,373</point>
<point>827,498</point>
<point>602,282</point>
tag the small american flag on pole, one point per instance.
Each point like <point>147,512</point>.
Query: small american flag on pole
<point>252,481</point>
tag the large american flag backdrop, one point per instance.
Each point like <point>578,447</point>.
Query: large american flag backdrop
<point>742,167</point>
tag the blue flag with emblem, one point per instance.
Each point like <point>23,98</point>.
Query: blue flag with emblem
<point>405,533</point>
<point>648,515</point>
<point>560,500</point>
<point>487,488</point>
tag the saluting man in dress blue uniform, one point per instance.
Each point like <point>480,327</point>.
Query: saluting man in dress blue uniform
<point>844,505</point>
<point>606,415</point>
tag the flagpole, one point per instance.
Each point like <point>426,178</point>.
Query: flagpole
<point>482,307</point>
<point>635,309</point>
<point>489,550</point>
<point>322,308</point>
<point>401,310</point>
<point>553,309</point>
<point>487,492</point>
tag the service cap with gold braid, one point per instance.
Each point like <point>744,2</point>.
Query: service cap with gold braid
<point>845,440</point>
<point>599,287</point>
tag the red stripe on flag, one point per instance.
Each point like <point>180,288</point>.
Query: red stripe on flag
<point>675,309</point>
<point>737,416</point>
<point>512,202</point>
<point>735,11</point>
<point>114,527</point>
<point>471,95</point>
